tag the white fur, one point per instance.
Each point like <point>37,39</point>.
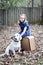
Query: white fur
<point>14,46</point>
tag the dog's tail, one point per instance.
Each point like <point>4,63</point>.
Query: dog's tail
<point>2,54</point>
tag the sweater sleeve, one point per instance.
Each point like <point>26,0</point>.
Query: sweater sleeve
<point>26,25</point>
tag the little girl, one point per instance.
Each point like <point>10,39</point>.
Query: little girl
<point>24,26</point>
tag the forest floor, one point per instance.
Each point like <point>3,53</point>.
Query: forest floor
<point>31,58</point>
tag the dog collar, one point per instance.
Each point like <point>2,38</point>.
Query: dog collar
<point>15,41</point>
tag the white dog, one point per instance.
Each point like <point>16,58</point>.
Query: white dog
<point>14,45</point>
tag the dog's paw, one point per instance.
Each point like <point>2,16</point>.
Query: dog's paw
<point>19,53</point>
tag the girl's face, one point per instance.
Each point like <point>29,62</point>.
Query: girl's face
<point>21,18</point>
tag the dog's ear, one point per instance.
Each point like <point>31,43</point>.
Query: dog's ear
<point>11,37</point>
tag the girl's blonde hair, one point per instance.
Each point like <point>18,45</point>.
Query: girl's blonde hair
<point>24,16</point>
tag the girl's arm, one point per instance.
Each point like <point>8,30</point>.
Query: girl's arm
<point>23,31</point>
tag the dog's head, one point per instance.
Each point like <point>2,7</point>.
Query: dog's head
<point>16,37</point>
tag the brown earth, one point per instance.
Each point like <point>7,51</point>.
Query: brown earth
<point>31,58</point>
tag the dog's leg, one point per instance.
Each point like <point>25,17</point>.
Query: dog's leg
<point>7,51</point>
<point>19,49</point>
<point>13,52</point>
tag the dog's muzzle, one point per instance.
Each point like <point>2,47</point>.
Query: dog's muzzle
<point>15,40</point>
